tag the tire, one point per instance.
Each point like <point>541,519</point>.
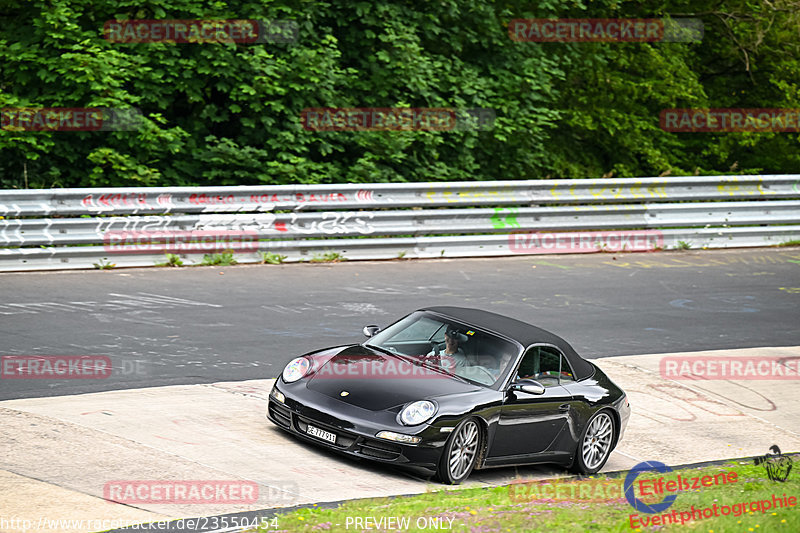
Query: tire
<point>460,453</point>
<point>595,444</point>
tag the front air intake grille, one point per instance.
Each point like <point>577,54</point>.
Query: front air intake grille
<point>379,449</point>
<point>280,414</point>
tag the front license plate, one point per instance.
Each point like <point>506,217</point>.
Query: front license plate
<point>322,434</point>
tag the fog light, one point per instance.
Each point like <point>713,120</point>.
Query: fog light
<point>278,395</point>
<point>398,437</point>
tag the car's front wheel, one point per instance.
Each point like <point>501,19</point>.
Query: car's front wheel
<point>460,453</point>
<point>595,444</point>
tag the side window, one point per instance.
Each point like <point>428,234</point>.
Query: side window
<point>550,362</point>
<point>529,366</point>
<point>546,365</point>
<point>566,371</point>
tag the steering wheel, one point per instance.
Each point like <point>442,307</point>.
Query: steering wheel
<point>436,357</point>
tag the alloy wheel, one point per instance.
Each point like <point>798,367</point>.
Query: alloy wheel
<point>464,450</point>
<point>597,442</point>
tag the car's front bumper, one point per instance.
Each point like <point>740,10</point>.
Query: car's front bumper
<point>355,429</point>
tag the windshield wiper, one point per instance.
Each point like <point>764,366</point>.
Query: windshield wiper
<point>427,364</point>
<point>419,361</point>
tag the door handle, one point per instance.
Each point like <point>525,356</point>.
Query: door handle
<point>563,407</point>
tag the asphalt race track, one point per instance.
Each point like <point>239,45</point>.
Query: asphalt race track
<point>209,324</point>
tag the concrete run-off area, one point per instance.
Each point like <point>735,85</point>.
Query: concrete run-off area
<point>59,456</point>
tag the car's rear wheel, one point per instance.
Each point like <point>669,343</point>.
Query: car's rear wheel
<point>460,453</point>
<point>595,444</point>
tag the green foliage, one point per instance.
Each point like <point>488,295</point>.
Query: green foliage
<point>223,259</point>
<point>328,257</point>
<point>228,114</point>
<point>683,245</point>
<point>173,260</point>
<point>270,258</point>
<point>104,264</point>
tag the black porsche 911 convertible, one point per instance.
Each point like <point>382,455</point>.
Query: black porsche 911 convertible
<point>446,390</point>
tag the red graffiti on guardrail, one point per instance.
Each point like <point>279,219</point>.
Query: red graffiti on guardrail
<point>298,198</point>
<point>141,200</point>
<point>115,200</point>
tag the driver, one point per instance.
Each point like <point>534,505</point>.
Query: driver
<point>452,356</point>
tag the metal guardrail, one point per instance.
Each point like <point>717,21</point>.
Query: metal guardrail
<point>163,200</point>
<point>65,231</point>
<point>405,247</point>
<point>136,227</point>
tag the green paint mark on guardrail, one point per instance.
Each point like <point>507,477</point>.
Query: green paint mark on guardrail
<point>500,220</point>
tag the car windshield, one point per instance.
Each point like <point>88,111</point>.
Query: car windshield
<point>458,349</point>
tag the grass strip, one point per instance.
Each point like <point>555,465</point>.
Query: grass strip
<point>596,503</point>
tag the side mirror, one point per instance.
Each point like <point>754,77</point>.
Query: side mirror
<point>528,385</point>
<point>369,331</point>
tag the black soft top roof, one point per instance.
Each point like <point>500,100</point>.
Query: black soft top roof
<point>522,332</point>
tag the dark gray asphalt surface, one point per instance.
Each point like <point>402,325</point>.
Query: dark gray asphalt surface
<point>206,324</point>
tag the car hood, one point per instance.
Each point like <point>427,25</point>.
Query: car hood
<point>373,380</point>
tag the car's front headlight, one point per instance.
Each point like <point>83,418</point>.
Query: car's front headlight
<point>296,369</point>
<point>417,413</point>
